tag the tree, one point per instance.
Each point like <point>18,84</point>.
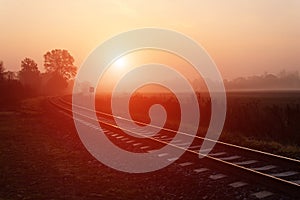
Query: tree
<point>60,62</point>
<point>59,70</point>
<point>29,65</point>
<point>11,91</point>
<point>2,69</point>
<point>29,76</point>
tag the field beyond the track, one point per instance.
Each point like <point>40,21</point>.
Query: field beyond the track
<point>263,120</point>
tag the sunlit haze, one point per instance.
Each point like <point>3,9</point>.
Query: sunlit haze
<point>135,59</point>
<point>243,37</point>
<point>157,99</point>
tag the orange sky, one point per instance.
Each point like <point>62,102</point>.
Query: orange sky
<point>243,37</point>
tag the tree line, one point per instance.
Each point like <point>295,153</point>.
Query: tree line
<point>29,81</point>
<point>282,80</point>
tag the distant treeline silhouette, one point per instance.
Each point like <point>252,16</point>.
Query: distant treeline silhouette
<point>283,80</point>
<point>30,82</point>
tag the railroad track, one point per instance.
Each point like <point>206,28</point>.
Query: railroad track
<point>276,172</point>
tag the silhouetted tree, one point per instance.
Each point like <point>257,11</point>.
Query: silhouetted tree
<point>284,80</point>
<point>59,65</point>
<point>11,91</point>
<point>29,76</point>
<point>29,65</point>
<point>61,62</point>
<point>2,69</point>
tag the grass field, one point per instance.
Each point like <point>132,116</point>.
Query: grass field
<point>264,120</point>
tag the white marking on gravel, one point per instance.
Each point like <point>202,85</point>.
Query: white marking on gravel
<point>217,154</point>
<point>185,164</point>
<point>217,176</point>
<point>162,154</point>
<point>130,141</point>
<point>264,168</point>
<point>262,194</point>
<point>204,150</point>
<point>114,135</point>
<point>238,184</point>
<point>285,174</point>
<point>145,147</point>
<point>124,139</point>
<point>119,137</point>
<point>200,170</point>
<point>147,134</point>
<point>176,141</point>
<point>172,159</point>
<point>136,144</point>
<point>247,162</point>
<point>195,147</point>
<point>230,158</point>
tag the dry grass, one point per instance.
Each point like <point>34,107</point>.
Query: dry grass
<point>268,145</point>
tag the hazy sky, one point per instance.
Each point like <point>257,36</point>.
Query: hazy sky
<point>243,37</point>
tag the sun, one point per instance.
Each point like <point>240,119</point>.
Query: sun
<point>120,63</point>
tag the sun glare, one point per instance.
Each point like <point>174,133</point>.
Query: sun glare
<point>120,63</point>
